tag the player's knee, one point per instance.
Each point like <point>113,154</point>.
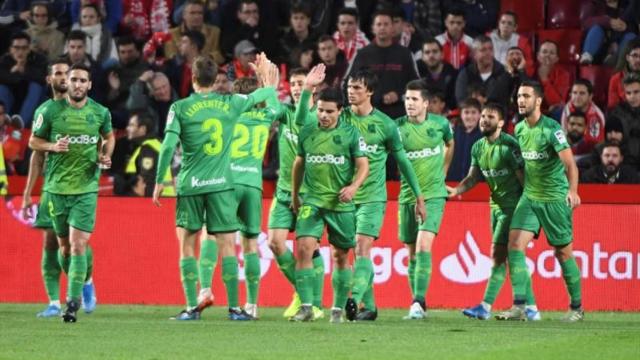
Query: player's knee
<point>276,246</point>
<point>363,246</point>
<point>563,253</point>
<point>340,259</point>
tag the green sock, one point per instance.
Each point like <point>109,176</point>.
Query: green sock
<point>411,273</point>
<point>369,300</point>
<point>208,261</point>
<point>571,275</point>
<point>362,271</point>
<point>304,285</point>
<point>287,264</point>
<point>318,282</point>
<point>189,277</point>
<point>88,252</point>
<point>530,298</point>
<point>341,280</point>
<point>230,278</point>
<point>51,274</point>
<point>518,273</point>
<point>64,262</point>
<point>423,274</point>
<point>494,285</point>
<point>252,276</point>
<point>77,274</point>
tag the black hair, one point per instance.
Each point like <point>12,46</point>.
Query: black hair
<point>368,78</point>
<point>537,88</point>
<point>418,85</point>
<point>331,95</point>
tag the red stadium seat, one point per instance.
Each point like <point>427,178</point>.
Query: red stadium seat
<point>599,77</point>
<point>530,13</point>
<point>568,40</point>
<point>565,14</point>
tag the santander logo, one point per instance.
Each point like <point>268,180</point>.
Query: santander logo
<point>467,265</point>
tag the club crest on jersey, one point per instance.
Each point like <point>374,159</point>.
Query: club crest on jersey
<point>90,118</point>
<point>337,140</point>
<point>38,123</point>
<point>431,133</point>
<point>371,128</point>
<point>560,136</point>
<point>539,139</point>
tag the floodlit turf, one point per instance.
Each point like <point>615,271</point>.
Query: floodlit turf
<point>144,332</point>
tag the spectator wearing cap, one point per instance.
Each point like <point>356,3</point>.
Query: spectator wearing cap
<point>46,39</point>
<point>193,20</point>
<point>581,100</point>
<point>22,78</point>
<point>152,94</point>
<point>349,38</point>
<point>611,169</point>
<point>244,54</point>
<point>178,69</point>
<point>250,27</point>
<point>299,34</point>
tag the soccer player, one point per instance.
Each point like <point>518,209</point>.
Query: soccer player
<point>428,142</point>
<point>549,197</point>
<point>50,266</point>
<point>332,163</point>
<point>70,131</point>
<point>203,123</point>
<point>282,220</point>
<point>496,157</point>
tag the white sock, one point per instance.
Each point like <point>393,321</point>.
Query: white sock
<point>55,303</point>
<point>532,307</point>
<point>486,306</point>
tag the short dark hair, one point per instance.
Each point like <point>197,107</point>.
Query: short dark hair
<point>418,85</point>
<point>243,2</point>
<point>298,71</point>
<point>56,61</point>
<point>630,79</point>
<point>437,94</point>
<point>324,38</point>
<point>368,78</point>
<point>196,38</point>
<point>549,41</point>
<point>331,95</point>
<point>470,103</point>
<point>301,8</point>
<point>611,144</point>
<point>20,35</point>
<point>94,7</point>
<point>383,12</point>
<point>512,14</point>
<point>516,48</point>
<point>432,40</point>
<point>478,88</point>
<point>350,12</point>
<point>482,39</point>
<point>204,70</point>
<point>578,113</point>
<point>455,11</point>
<point>125,40</point>
<point>81,66</point>
<point>77,35</point>
<point>245,85</point>
<point>495,107</point>
<point>145,119</point>
<point>537,88</point>
<point>584,82</point>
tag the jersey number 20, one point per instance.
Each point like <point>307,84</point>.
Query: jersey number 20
<point>258,136</point>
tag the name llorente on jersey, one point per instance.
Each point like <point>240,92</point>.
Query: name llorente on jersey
<point>424,153</point>
<point>493,173</point>
<point>325,159</point>
<point>290,135</point>
<point>534,155</point>
<point>80,139</point>
<point>238,168</point>
<point>195,182</point>
<point>366,147</point>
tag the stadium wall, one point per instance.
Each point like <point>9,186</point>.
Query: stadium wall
<point>136,258</point>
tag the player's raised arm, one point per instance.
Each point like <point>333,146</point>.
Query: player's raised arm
<point>566,156</point>
<point>36,163</point>
<point>472,178</point>
<point>314,78</point>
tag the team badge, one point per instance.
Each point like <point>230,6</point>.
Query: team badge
<point>337,140</point>
<point>371,128</point>
<point>147,163</point>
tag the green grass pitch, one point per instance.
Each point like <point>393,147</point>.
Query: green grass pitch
<point>144,332</point>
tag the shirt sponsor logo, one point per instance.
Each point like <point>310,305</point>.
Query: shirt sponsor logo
<point>239,168</point>
<point>424,153</point>
<point>534,155</point>
<point>468,265</point>
<point>80,139</point>
<point>366,147</point>
<point>195,182</point>
<point>326,159</point>
<point>493,173</point>
<point>290,136</point>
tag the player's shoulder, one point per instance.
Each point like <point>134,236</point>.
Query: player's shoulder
<point>96,106</point>
<point>549,123</point>
<point>508,140</point>
<point>438,119</point>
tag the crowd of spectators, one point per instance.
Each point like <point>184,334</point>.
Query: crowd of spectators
<point>467,52</point>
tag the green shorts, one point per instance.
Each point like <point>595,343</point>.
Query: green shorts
<point>78,211</point>
<point>341,225</point>
<point>555,218</point>
<point>500,222</point>
<point>369,218</point>
<point>249,200</point>
<point>280,214</point>
<point>217,209</point>
<point>43,219</point>
<point>408,227</point>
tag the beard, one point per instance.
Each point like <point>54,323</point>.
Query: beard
<point>610,169</point>
<point>78,98</point>
<point>574,136</point>
<point>526,112</point>
<point>488,131</point>
<point>60,89</point>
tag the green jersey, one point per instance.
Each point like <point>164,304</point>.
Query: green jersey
<point>329,163</point>
<point>288,133</point>
<point>498,162</point>
<point>250,138</point>
<point>424,144</point>
<point>205,125</point>
<point>76,171</point>
<point>544,173</point>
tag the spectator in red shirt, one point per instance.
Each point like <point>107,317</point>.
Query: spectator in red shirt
<point>555,80</point>
<point>348,37</point>
<point>456,45</point>
<point>630,65</point>
<point>582,101</point>
<point>245,53</point>
<point>505,37</point>
<point>575,129</point>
